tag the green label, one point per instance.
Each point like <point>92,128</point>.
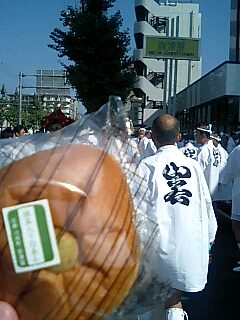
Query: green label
<point>31,236</point>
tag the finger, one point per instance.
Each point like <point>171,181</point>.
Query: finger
<point>7,312</point>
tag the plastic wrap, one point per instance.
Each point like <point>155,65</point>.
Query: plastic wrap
<point>98,210</point>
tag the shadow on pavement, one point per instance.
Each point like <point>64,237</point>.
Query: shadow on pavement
<point>220,300</point>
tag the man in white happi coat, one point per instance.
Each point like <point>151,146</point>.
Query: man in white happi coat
<point>208,158</point>
<point>224,192</point>
<point>232,141</point>
<point>180,203</point>
<point>189,149</point>
<point>233,175</point>
<point>146,146</point>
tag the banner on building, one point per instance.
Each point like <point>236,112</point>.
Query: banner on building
<point>172,48</point>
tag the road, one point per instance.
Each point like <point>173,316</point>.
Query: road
<point>220,300</point>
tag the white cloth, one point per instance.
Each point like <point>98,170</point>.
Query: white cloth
<point>210,160</point>
<point>180,203</point>
<point>189,150</point>
<point>231,144</point>
<point>224,191</point>
<point>150,149</point>
<point>142,146</point>
<point>233,175</point>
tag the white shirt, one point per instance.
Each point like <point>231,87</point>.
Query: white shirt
<point>231,144</point>
<point>209,160</point>
<point>224,191</point>
<point>233,175</point>
<point>142,146</point>
<point>180,203</point>
<point>189,150</point>
<point>148,150</point>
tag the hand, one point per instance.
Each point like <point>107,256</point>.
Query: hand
<point>7,312</point>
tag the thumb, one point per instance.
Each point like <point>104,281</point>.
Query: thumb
<point>7,312</point>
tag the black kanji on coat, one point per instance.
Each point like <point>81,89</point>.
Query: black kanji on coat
<point>175,177</point>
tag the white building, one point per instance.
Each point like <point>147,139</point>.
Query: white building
<point>215,98</point>
<point>54,90</point>
<point>159,79</point>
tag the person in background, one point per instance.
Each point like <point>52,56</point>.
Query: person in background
<point>142,142</point>
<point>180,204</point>
<point>181,142</point>
<point>189,150</point>
<point>7,133</point>
<point>224,141</point>
<point>224,192</point>
<point>233,176</point>
<point>208,158</point>
<point>232,141</point>
<point>19,131</point>
<point>146,146</point>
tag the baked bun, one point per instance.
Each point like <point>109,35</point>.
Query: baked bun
<point>92,211</point>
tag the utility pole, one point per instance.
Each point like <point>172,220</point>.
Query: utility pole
<point>21,75</point>
<point>20,82</point>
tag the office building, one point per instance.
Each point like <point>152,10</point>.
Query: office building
<point>159,79</point>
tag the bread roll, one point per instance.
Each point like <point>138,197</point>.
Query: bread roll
<point>91,205</point>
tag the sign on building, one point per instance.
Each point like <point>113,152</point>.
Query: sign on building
<point>172,48</point>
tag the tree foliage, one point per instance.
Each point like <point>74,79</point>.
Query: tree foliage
<point>97,50</point>
<point>32,113</point>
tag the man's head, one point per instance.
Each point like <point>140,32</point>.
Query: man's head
<point>215,139</point>
<point>142,132</point>
<point>234,135</point>
<point>202,133</point>
<point>7,133</point>
<point>19,131</point>
<point>165,130</point>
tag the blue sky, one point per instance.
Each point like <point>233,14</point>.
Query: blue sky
<point>26,25</point>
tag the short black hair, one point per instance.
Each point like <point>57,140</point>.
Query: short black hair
<point>166,132</point>
<point>18,128</point>
<point>7,133</point>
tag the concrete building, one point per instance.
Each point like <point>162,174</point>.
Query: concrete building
<point>54,91</point>
<point>159,79</point>
<point>215,98</point>
<point>234,50</point>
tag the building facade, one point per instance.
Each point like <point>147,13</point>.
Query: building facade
<point>54,91</point>
<point>215,98</point>
<point>159,79</point>
<point>234,50</point>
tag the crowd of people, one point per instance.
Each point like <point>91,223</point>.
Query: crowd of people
<point>16,132</point>
<point>187,174</point>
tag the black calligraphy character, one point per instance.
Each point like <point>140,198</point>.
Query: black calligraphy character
<point>191,153</point>
<point>216,156</point>
<point>175,177</point>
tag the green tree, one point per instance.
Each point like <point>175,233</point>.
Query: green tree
<point>12,110</point>
<point>3,91</point>
<point>97,50</point>
<point>36,113</point>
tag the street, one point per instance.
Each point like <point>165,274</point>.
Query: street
<point>221,298</point>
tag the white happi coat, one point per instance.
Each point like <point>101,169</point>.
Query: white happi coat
<point>224,191</point>
<point>189,150</point>
<point>233,175</point>
<point>150,149</point>
<point>142,146</point>
<point>231,144</point>
<point>209,160</point>
<point>180,203</point>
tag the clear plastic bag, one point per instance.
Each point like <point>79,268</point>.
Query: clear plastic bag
<point>88,173</point>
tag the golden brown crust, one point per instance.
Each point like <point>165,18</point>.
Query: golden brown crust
<point>89,198</point>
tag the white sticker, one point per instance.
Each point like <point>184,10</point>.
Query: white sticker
<point>31,236</point>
